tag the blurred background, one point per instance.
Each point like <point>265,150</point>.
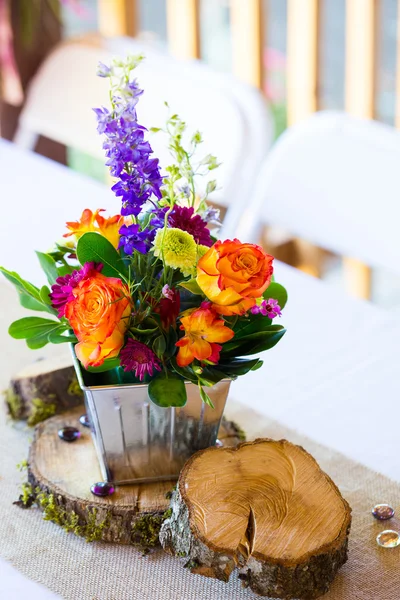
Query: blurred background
<point>302,55</point>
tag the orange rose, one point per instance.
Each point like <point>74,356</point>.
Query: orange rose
<point>232,275</point>
<point>99,315</point>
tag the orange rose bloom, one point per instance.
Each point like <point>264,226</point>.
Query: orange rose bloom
<point>99,315</point>
<point>90,221</point>
<point>232,275</point>
<point>204,332</point>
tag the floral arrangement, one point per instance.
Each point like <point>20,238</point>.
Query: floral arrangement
<point>150,293</point>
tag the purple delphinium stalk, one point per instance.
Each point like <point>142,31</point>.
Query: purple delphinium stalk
<point>184,218</point>
<point>268,308</point>
<point>132,239</point>
<point>61,291</point>
<point>137,357</point>
<point>127,151</point>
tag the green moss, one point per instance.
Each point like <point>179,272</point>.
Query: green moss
<point>74,388</point>
<point>14,403</point>
<point>192,564</point>
<point>91,530</point>
<point>41,411</point>
<point>23,465</point>
<point>241,434</point>
<point>146,529</point>
<point>27,497</point>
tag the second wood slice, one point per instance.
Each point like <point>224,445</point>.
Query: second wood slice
<point>62,473</point>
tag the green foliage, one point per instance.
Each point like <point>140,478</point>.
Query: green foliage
<point>93,247</point>
<point>36,330</point>
<point>167,389</point>
<point>278,292</point>
<point>49,266</point>
<point>192,286</point>
<point>253,343</point>
<point>29,294</point>
<point>27,497</point>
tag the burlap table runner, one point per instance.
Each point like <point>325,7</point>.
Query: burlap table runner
<point>80,571</point>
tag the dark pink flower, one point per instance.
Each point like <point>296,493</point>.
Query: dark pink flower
<point>184,218</point>
<point>137,357</point>
<point>61,291</point>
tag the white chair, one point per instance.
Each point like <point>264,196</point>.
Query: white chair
<point>235,122</point>
<point>333,180</point>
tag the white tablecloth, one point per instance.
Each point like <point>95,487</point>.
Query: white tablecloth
<point>333,377</point>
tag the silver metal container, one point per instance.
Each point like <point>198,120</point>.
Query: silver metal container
<point>137,441</point>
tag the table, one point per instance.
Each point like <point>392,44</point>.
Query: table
<point>333,377</point>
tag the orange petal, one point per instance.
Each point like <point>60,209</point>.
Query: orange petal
<point>185,356</point>
<point>235,309</point>
<point>208,262</point>
<point>219,333</point>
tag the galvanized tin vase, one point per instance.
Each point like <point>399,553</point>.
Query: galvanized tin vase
<point>137,441</point>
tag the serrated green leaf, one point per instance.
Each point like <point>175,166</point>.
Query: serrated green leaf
<point>277,292</point>
<point>167,390</point>
<point>49,266</point>
<point>93,247</point>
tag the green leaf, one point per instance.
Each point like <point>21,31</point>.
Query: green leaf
<point>185,372</point>
<point>24,288</point>
<point>93,247</point>
<point>30,303</point>
<point>278,292</point>
<point>168,389</point>
<point>44,294</point>
<point>248,325</point>
<point>108,364</point>
<point>192,286</point>
<point>49,266</point>
<point>239,366</point>
<point>254,343</point>
<point>58,338</point>
<point>205,397</point>
<point>159,346</point>
<point>29,327</point>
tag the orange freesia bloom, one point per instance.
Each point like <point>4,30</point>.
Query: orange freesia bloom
<point>232,275</point>
<point>99,315</point>
<point>90,221</point>
<point>204,332</point>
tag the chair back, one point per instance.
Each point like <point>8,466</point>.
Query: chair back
<point>332,180</point>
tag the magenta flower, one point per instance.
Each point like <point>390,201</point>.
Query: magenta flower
<point>61,291</point>
<point>268,308</point>
<point>137,357</point>
<point>184,218</point>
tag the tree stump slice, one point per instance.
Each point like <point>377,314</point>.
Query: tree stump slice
<point>265,508</point>
<point>43,389</point>
<point>61,474</point>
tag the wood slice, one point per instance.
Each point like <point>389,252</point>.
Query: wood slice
<point>62,473</point>
<point>43,389</point>
<point>265,508</point>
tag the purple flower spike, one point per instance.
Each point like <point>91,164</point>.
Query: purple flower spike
<point>132,239</point>
<point>128,153</point>
<point>137,357</point>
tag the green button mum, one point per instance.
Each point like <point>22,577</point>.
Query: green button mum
<point>176,248</point>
